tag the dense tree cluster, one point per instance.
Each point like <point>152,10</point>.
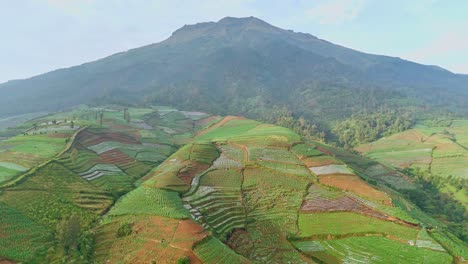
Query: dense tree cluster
<point>367,127</point>
<point>439,205</point>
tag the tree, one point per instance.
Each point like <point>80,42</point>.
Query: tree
<point>68,233</point>
<point>72,124</point>
<point>101,115</point>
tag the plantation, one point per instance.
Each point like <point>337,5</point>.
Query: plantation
<point>238,191</point>
<point>150,201</point>
<point>440,149</point>
<point>21,238</point>
<point>213,251</point>
<point>322,224</point>
<point>370,250</point>
<point>150,238</point>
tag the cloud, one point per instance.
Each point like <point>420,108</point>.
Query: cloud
<point>336,11</point>
<point>451,48</point>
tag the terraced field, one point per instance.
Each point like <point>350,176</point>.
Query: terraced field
<point>442,150</point>
<point>369,250</point>
<point>238,191</point>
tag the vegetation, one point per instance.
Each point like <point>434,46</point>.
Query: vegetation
<point>368,127</point>
<point>439,205</point>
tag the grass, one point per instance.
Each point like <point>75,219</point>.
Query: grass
<point>351,223</point>
<point>213,251</point>
<point>150,201</point>
<point>370,250</point>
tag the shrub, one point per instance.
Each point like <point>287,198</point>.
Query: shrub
<point>124,230</point>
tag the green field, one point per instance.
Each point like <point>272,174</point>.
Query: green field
<point>351,223</point>
<point>370,250</point>
<point>152,201</point>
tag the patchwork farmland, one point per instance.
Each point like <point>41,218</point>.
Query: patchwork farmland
<point>172,186</point>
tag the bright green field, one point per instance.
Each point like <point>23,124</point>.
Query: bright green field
<point>371,250</point>
<point>213,251</point>
<point>152,201</point>
<point>351,223</point>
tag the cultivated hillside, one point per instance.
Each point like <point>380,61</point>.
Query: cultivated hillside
<point>158,185</point>
<point>244,65</point>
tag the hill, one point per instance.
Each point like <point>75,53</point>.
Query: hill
<point>244,66</point>
<point>147,185</point>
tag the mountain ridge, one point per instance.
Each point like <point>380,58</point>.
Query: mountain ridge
<point>246,57</point>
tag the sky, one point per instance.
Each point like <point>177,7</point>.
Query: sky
<point>38,36</point>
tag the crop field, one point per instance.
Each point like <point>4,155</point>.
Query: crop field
<point>344,223</point>
<point>213,251</point>
<point>232,152</point>
<point>317,161</point>
<point>224,162</point>
<point>441,149</point>
<point>356,185</point>
<point>54,191</point>
<point>227,128</point>
<point>371,249</point>
<point>424,240</point>
<point>331,169</point>
<point>150,201</point>
<point>152,238</point>
<point>21,238</point>
<point>286,168</point>
<point>273,154</point>
<point>305,151</point>
<point>323,199</point>
<point>273,197</point>
<point>217,201</point>
<point>268,136</point>
<point>451,243</point>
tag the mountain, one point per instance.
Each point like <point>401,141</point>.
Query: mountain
<point>244,66</point>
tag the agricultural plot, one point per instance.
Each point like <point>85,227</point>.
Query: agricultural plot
<point>323,160</point>
<point>451,243</point>
<point>443,150</point>
<point>273,155</point>
<point>305,150</point>
<point>21,238</point>
<point>370,250</point>
<point>322,199</point>
<point>268,136</point>
<point>9,170</point>
<point>354,184</point>
<point>150,201</point>
<point>424,240</point>
<point>217,201</point>
<point>213,251</point>
<point>53,192</point>
<point>331,169</point>
<point>149,239</point>
<point>340,224</point>
<point>227,128</point>
<point>273,197</point>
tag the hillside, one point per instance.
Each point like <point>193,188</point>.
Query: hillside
<point>244,66</point>
<point>161,185</point>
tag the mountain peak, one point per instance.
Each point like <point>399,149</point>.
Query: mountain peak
<point>226,25</point>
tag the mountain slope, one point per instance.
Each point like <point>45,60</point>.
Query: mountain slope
<point>243,65</point>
